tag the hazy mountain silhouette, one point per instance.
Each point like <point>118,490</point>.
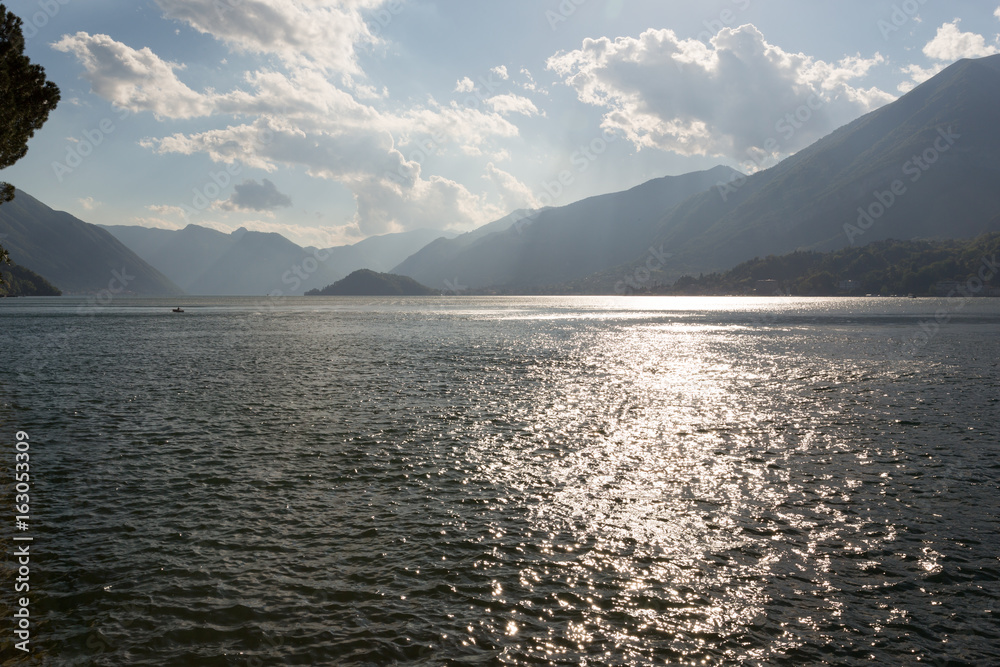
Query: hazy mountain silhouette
<point>75,256</point>
<point>183,255</point>
<point>555,245</point>
<point>208,262</point>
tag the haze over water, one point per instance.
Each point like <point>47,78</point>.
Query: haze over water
<point>529,481</point>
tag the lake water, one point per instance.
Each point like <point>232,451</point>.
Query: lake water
<point>508,481</point>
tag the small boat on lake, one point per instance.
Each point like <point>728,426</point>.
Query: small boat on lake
<point>177,310</point>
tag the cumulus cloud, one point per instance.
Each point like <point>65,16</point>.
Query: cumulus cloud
<point>529,84</point>
<point>918,75</point>
<point>949,44</point>
<point>252,195</point>
<point>997,13</point>
<point>137,80</point>
<point>952,44</point>
<point>514,193</point>
<point>509,103</point>
<point>433,202</point>
<point>465,85</point>
<point>322,34</point>
<point>734,96</point>
<point>89,203</point>
<point>501,71</point>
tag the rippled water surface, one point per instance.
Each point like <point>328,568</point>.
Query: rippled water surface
<point>510,481</point>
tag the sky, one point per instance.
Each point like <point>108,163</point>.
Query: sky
<point>330,121</point>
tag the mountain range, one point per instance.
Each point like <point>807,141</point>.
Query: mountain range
<point>204,261</point>
<point>83,258</point>
<point>919,168</point>
<point>531,249</point>
<point>923,167</point>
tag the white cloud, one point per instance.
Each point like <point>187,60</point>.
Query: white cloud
<point>269,142</point>
<point>735,95</point>
<point>997,13</point>
<point>465,85</point>
<point>949,44</point>
<point>509,103</point>
<point>918,75</point>
<point>431,202</point>
<point>137,80</point>
<point>514,193</point>
<point>952,44</point>
<point>501,71</point>
<point>319,33</point>
<point>165,217</point>
<point>530,83</point>
<point>89,203</point>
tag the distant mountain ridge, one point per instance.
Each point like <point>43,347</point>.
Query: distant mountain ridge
<point>558,244</point>
<point>75,256</point>
<point>208,262</point>
<point>182,256</point>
